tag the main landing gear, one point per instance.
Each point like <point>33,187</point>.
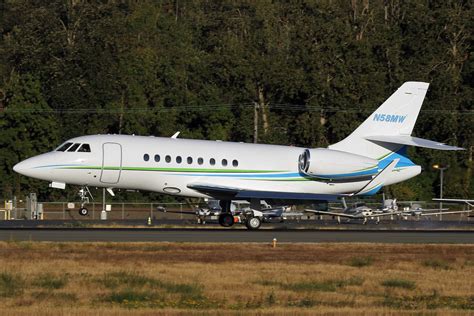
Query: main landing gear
<point>84,194</point>
<point>251,218</point>
<point>226,219</point>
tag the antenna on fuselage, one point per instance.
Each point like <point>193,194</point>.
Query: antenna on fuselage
<point>175,135</point>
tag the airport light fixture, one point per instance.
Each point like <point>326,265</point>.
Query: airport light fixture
<point>441,169</point>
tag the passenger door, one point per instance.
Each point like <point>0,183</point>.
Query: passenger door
<point>111,163</point>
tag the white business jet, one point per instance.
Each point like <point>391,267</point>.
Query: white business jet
<point>374,155</point>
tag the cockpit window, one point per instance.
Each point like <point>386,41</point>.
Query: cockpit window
<point>74,147</point>
<point>63,147</point>
<point>85,148</point>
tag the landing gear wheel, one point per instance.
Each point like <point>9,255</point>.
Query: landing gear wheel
<point>83,211</point>
<point>226,220</point>
<point>253,223</point>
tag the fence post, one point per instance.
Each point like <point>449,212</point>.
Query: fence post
<point>93,210</point>
<point>180,210</point>
<point>64,210</point>
<point>123,211</point>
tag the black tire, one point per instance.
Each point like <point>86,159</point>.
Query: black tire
<point>253,223</point>
<point>83,211</point>
<point>226,220</point>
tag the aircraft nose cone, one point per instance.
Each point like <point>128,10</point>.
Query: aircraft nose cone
<point>26,167</point>
<point>19,167</point>
<point>34,167</point>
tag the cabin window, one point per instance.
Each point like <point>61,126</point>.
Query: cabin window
<point>200,160</point>
<point>212,161</point>
<point>74,147</point>
<point>157,158</point>
<point>146,157</point>
<point>168,158</point>
<point>178,159</point>
<point>190,160</point>
<point>235,163</point>
<point>64,147</point>
<point>85,148</point>
<point>224,162</point>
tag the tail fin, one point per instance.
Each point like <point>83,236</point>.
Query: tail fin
<point>396,116</point>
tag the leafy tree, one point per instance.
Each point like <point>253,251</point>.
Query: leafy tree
<point>28,129</point>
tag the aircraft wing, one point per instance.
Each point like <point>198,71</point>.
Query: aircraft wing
<point>434,209</point>
<point>384,214</point>
<point>331,213</point>
<point>468,202</point>
<point>444,213</point>
<point>351,215</point>
<point>233,193</point>
<point>176,212</point>
<point>291,214</point>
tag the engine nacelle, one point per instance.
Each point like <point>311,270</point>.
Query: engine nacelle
<point>331,164</point>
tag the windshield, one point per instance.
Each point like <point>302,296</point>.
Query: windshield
<point>85,148</point>
<point>64,146</point>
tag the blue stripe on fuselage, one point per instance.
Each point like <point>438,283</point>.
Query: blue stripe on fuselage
<point>400,154</point>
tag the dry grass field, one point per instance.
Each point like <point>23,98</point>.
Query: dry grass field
<point>184,278</point>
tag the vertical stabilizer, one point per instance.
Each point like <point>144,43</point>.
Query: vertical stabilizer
<point>396,116</point>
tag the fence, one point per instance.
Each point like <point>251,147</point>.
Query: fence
<point>119,211</point>
<point>141,211</point>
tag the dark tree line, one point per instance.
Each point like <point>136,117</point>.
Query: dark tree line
<point>303,73</point>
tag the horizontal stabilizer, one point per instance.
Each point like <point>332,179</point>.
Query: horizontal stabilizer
<point>411,141</point>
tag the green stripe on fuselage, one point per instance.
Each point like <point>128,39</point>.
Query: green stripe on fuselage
<point>197,170</point>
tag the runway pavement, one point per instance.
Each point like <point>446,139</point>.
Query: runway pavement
<point>229,235</point>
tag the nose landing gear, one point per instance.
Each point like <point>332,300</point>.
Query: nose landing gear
<point>84,194</point>
<point>83,211</point>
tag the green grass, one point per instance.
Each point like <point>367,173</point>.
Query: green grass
<point>270,299</point>
<point>437,264</point>
<point>267,283</point>
<point>308,302</point>
<point>399,283</point>
<point>114,280</point>
<point>324,286</point>
<point>433,301</point>
<point>21,244</point>
<point>305,302</point>
<point>130,296</point>
<point>136,290</point>
<point>360,262</point>
<point>57,296</point>
<point>10,284</point>
<point>50,281</point>
<point>188,290</point>
<point>133,298</point>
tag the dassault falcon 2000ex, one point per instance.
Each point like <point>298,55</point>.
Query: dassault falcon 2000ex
<point>372,156</point>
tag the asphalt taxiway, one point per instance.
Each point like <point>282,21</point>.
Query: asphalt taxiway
<point>232,235</point>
